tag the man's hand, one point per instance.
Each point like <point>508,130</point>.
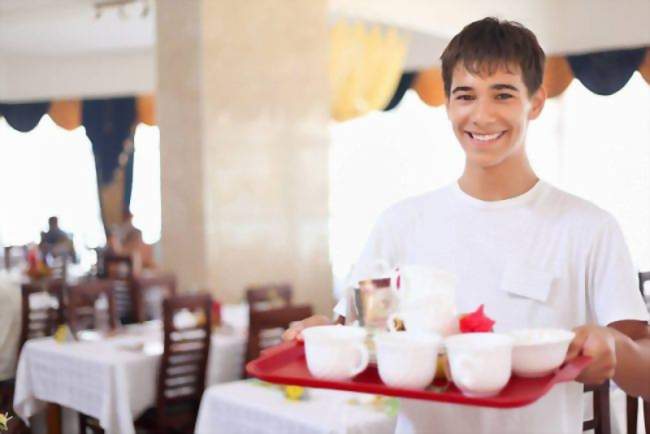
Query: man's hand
<point>599,343</point>
<point>294,332</point>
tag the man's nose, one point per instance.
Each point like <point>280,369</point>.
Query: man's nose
<point>483,113</point>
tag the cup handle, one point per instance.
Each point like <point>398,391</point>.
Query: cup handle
<point>364,358</point>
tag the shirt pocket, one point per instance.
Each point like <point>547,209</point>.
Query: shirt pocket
<point>524,298</point>
<point>526,281</point>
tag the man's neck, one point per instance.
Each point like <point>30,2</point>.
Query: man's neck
<point>507,180</point>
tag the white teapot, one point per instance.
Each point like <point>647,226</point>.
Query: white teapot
<point>426,300</point>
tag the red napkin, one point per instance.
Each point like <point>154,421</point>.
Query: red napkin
<point>475,322</point>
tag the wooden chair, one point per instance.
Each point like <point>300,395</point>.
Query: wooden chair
<point>632,410</point>
<point>42,321</point>
<point>11,256</point>
<point>119,269</point>
<point>269,296</point>
<point>16,425</point>
<point>182,373</point>
<point>144,284</point>
<point>601,423</point>
<point>266,326</point>
<point>632,402</point>
<point>82,312</point>
<point>59,267</point>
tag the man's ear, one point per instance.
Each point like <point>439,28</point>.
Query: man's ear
<point>537,102</point>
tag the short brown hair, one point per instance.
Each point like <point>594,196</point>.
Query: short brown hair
<point>491,43</point>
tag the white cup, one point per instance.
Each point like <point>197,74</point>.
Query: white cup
<point>480,363</point>
<point>335,352</point>
<point>407,359</point>
<point>539,352</point>
<point>431,317</point>
<point>418,279</point>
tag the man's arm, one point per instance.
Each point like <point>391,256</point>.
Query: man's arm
<point>632,372</point>
<point>620,351</point>
<point>294,331</point>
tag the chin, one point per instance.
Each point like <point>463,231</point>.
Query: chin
<point>484,161</point>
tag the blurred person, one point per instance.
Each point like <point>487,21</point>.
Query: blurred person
<point>55,242</point>
<point>126,239</point>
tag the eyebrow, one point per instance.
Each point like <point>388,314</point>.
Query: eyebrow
<point>502,86</point>
<point>498,86</point>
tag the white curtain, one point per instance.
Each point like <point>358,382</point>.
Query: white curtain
<point>50,171</point>
<point>145,199</point>
<point>47,172</point>
<point>595,147</point>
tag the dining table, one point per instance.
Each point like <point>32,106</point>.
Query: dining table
<point>113,377</point>
<point>255,407</point>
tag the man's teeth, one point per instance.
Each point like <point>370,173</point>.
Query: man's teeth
<point>485,137</point>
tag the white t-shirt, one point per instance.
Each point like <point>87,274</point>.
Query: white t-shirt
<point>541,259</point>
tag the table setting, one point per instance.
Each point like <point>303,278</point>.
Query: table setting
<point>112,376</point>
<point>256,407</point>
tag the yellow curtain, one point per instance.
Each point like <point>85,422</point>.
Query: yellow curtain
<point>365,68</point>
<point>145,107</point>
<point>644,68</point>
<point>557,76</point>
<point>66,114</point>
<point>429,86</point>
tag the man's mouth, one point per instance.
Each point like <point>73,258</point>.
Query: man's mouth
<point>486,138</point>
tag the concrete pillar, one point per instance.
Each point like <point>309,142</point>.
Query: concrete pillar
<point>243,101</point>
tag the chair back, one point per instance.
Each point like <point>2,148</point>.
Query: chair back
<point>41,319</point>
<point>149,290</point>
<point>181,378</point>
<point>14,255</point>
<point>632,402</point>
<point>269,296</point>
<point>265,327</point>
<point>644,277</point>
<point>83,312</point>
<point>600,423</point>
<point>119,269</point>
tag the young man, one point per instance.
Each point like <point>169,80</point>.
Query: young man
<point>534,255</point>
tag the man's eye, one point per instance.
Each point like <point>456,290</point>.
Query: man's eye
<point>504,96</point>
<point>465,97</point>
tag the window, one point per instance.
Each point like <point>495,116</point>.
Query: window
<point>50,171</point>
<point>47,172</point>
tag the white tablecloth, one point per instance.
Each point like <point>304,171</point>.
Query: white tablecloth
<point>245,407</point>
<point>105,379</point>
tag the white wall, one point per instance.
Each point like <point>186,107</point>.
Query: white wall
<point>104,74</point>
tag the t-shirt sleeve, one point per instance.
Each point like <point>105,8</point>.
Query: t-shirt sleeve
<point>612,281</point>
<point>378,258</point>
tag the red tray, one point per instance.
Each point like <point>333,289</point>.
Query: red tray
<point>286,364</point>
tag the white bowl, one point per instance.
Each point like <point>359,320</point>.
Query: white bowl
<point>539,352</point>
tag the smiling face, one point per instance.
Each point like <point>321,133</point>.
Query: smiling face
<point>490,113</point>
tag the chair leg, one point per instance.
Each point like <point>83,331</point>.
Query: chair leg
<point>82,424</point>
<point>601,408</point>
<point>631,409</point>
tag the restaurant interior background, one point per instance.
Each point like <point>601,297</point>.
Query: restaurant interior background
<point>258,141</point>
<point>353,158</point>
